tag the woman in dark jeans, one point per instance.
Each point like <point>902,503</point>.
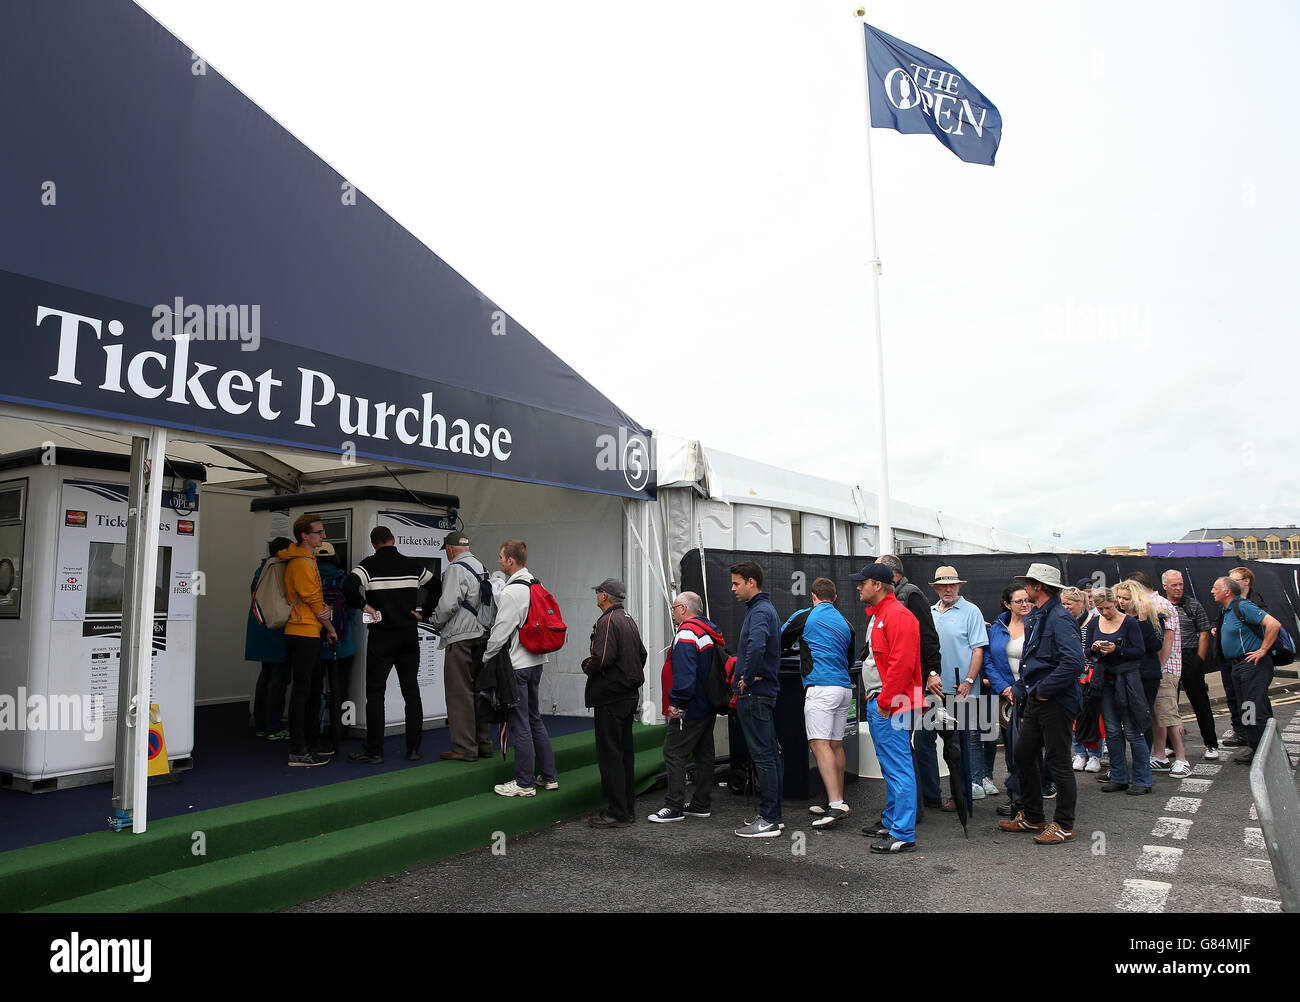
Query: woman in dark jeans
<point>267,646</point>
<point>1133,603</point>
<point>1116,648</point>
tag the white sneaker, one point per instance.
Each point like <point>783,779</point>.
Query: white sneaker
<point>1181,769</point>
<point>1211,754</point>
<point>977,792</point>
<point>513,789</point>
<point>552,785</point>
<point>1094,764</point>
<point>989,788</point>
<point>1078,762</point>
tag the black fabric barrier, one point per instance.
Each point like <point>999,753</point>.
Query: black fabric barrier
<point>788,577</point>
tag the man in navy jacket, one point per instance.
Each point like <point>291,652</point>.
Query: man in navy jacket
<point>758,663</point>
<point>1049,675</point>
<point>686,705</point>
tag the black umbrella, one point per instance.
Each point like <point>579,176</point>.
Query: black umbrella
<point>952,755</point>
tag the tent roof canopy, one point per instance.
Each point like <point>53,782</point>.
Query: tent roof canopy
<point>167,189</point>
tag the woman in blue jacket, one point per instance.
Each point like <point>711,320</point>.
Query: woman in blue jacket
<point>1002,668</point>
<point>1115,646</point>
<point>267,646</point>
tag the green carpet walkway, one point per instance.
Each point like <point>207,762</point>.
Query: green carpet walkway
<point>280,851</point>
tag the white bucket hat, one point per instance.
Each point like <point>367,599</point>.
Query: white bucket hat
<point>1044,574</point>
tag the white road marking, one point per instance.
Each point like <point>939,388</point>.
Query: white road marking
<point>1254,838</point>
<point>1260,904</point>
<point>1195,785</point>
<point>1160,859</point>
<point>1145,896</point>
<point>1205,769</point>
<point>1175,828</point>
<point>1254,813</point>
<point>1183,805</point>
<point>1257,871</point>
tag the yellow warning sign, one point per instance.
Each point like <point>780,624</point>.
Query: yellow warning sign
<point>158,764</point>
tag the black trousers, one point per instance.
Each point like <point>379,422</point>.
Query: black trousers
<point>384,650</point>
<point>1151,686</point>
<point>1251,681</point>
<point>1198,694</point>
<point>304,700</point>
<point>1046,728</point>
<point>616,756</point>
<point>687,738</point>
<point>337,672</point>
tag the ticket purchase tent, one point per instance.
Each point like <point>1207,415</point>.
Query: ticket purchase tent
<point>144,196</point>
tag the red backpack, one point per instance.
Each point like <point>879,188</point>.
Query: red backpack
<point>543,630</point>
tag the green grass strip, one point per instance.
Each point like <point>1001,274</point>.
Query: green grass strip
<point>84,865</point>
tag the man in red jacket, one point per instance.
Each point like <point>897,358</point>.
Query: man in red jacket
<point>894,636</point>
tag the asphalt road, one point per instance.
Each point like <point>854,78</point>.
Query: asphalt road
<point>1191,846</point>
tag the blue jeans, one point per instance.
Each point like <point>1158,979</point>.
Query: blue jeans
<point>528,733</point>
<point>755,714</point>
<point>1118,730</point>
<point>891,737</point>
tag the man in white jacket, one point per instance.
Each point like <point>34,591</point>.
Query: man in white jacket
<point>527,732</point>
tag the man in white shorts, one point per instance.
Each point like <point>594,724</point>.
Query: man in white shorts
<point>825,641</point>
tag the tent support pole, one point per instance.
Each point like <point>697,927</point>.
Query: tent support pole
<point>131,757</point>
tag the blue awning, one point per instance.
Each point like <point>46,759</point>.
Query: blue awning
<point>141,199</point>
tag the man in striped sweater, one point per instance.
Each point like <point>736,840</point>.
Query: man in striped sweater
<point>387,585</point>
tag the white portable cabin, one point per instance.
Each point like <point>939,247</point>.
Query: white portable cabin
<point>62,547</point>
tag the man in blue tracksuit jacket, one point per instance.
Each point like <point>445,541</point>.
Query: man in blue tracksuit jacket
<point>758,663</point>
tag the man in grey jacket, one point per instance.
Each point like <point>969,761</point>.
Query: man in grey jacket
<point>527,732</point>
<point>457,620</point>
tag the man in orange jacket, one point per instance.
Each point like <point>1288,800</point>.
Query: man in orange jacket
<point>308,618</point>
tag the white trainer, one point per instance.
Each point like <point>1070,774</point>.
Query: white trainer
<point>1211,754</point>
<point>513,789</point>
<point>1078,762</point>
<point>1181,770</point>
<point>1094,764</point>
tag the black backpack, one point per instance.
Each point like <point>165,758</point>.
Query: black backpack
<point>717,688</point>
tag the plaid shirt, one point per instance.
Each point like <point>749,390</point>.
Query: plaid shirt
<point>1166,609</point>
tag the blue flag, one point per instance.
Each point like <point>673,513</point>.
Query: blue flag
<point>914,91</point>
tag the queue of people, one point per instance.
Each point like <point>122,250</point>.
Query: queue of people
<point>931,672</point>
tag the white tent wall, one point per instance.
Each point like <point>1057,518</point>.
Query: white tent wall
<point>575,540</point>
<point>737,503</point>
<point>230,548</point>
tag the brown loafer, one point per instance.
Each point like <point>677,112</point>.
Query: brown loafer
<point>949,805</point>
<point>1022,824</point>
<point>1054,834</point>
<point>455,756</point>
<point>603,820</point>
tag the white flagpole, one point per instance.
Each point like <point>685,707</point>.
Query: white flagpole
<point>885,533</point>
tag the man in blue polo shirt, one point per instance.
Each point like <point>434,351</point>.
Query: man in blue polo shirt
<point>825,641</point>
<point>1247,637</point>
<point>962,640</point>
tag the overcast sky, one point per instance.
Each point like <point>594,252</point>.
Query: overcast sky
<point>1094,337</point>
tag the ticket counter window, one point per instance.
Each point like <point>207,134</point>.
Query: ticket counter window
<point>13,516</point>
<point>106,579</point>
